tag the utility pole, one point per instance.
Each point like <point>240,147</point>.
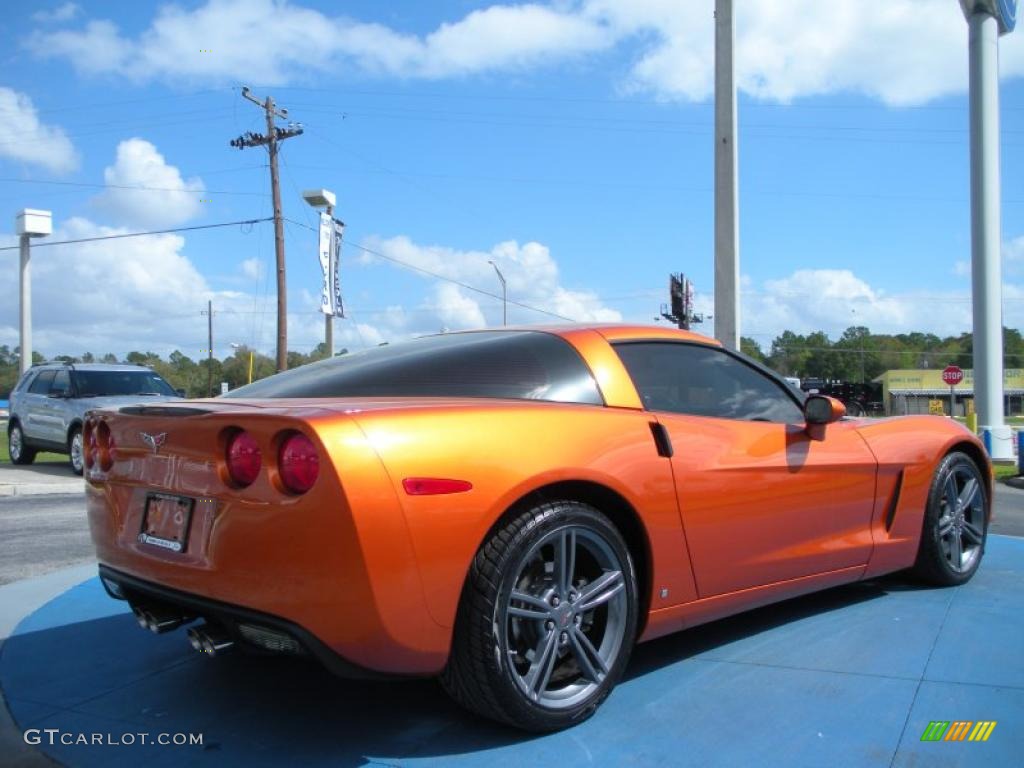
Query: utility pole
<point>270,141</point>
<point>209,348</point>
<point>727,259</point>
<point>680,307</point>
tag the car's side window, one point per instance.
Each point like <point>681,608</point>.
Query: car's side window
<point>41,385</point>
<point>61,383</point>
<point>705,381</point>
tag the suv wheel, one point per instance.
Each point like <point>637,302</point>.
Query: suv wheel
<point>20,453</point>
<point>75,457</point>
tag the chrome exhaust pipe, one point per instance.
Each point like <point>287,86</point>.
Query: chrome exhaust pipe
<point>210,639</point>
<point>158,620</point>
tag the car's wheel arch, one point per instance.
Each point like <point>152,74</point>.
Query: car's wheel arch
<point>613,505</point>
<point>75,424</point>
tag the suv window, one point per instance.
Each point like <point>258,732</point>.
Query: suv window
<point>521,365</point>
<point>705,381</point>
<point>103,383</point>
<point>41,385</point>
<point>61,383</point>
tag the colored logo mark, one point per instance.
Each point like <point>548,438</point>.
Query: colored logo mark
<point>958,730</point>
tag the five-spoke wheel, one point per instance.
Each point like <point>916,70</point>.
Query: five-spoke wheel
<point>955,524</point>
<point>547,620</point>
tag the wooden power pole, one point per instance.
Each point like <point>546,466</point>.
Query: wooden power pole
<point>273,136</point>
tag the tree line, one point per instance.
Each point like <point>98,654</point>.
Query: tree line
<point>179,369</point>
<point>857,355</point>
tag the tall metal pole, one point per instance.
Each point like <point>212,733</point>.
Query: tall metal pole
<point>329,319</point>
<point>275,191</point>
<point>25,298</point>
<point>985,231</point>
<point>727,261</point>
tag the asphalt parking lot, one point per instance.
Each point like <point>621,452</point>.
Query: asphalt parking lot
<point>845,677</point>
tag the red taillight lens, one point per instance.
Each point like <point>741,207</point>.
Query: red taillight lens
<point>298,463</point>
<point>89,444</point>
<point>243,458</point>
<point>104,446</point>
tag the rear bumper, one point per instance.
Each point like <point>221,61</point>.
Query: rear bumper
<point>121,586</point>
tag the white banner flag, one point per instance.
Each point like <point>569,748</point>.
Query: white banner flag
<point>330,262</point>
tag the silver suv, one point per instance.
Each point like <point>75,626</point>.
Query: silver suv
<point>50,400</point>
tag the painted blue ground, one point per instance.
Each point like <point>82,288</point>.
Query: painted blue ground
<point>850,677</point>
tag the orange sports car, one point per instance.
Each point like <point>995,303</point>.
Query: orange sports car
<point>511,510</point>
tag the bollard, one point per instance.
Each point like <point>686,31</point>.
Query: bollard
<point>972,422</point>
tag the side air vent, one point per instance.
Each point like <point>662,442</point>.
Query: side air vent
<point>890,513</point>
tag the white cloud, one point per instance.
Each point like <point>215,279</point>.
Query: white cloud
<point>23,137</point>
<point>529,269</point>
<point>146,294</point>
<point>252,268</point>
<point>168,200</point>
<point>832,300</point>
<point>58,15</point>
<point>900,51</point>
<point>296,40</point>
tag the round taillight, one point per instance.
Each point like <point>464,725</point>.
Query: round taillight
<point>244,459</point>
<point>104,446</point>
<point>89,444</point>
<point>298,463</point>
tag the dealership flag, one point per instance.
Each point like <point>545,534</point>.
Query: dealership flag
<point>330,263</point>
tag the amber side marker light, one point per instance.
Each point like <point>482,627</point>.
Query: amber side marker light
<point>298,463</point>
<point>431,486</point>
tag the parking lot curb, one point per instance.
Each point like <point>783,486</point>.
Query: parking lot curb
<point>42,489</point>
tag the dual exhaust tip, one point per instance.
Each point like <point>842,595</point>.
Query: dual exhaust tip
<point>205,638</point>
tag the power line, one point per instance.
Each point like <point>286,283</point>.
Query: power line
<point>45,244</point>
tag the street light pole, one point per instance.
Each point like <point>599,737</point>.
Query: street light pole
<point>324,198</point>
<point>727,259</point>
<point>29,223</point>
<point>504,294</point>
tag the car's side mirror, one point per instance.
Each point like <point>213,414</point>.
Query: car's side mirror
<point>181,392</point>
<point>819,411</point>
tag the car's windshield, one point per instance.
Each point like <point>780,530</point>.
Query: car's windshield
<point>104,383</point>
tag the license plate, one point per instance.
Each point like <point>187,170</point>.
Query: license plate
<point>165,521</point>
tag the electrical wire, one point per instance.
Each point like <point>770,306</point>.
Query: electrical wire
<point>134,187</point>
<point>139,234</point>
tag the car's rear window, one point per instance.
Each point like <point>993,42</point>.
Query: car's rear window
<point>105,383</point>
<point>521,365</point>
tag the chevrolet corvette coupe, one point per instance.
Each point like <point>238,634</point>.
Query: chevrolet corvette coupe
<point>512,510</point>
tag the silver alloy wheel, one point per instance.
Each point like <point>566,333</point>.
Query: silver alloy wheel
<point>14,443</point>
<point>565,617</point>
<point>961,523</point>
<point>75,451</point>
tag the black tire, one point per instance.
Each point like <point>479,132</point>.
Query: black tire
<point>488,671</point>
<point>946,523</point>
<point>76,457</point>
<point>854,409</point>
<point>19,452</point>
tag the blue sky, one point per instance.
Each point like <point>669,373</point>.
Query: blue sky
<point>569,142</point>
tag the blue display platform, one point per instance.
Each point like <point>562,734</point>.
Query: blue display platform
<point>849,677</point>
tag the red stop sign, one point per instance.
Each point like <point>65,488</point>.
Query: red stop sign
<point>952,375</point>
